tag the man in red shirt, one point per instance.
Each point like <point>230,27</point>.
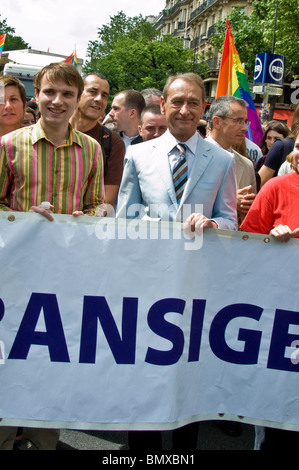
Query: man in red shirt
<point>275,209</point>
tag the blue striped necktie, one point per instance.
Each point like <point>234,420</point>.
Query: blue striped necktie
<point>180,173</point>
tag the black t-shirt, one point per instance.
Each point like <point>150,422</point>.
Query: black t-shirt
<point>278,153</point>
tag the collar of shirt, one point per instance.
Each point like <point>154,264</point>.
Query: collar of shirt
<point>210,139</point>
<point>127,140</point>
<point>173,153</point>
<point>38,133</point>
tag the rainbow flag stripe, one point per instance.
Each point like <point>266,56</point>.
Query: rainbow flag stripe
<point>72,59</point>
<point>232,80</point>
<point>2,41</point>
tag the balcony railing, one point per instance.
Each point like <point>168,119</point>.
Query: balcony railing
<point>168,13</point>
<point>202,8</point>
<point>211,30</point>
<point>213,63</point>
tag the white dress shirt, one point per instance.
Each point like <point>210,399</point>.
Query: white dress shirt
<point>173,152</point>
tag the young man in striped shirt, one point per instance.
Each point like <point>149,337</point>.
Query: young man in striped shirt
<point>50,162</point>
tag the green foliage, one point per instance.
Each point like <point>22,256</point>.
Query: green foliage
<point>254,34</point>
<point>130,55</point>
<point>12,42</point>
<point>120,26</point>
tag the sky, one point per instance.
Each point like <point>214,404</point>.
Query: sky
<point>64,25</point>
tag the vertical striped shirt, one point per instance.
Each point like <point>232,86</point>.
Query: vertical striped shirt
<point>33,170</point>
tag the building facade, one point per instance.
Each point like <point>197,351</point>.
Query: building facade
<point>194,21</point>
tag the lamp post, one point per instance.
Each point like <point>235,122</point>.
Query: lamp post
<point>275,24</point>
<point>269,102</point>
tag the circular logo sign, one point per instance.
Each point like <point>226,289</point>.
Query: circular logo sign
<point>258,68</point>
<point>276,70</point>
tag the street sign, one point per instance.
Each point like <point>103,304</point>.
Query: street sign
<point>271,90</point>
<point>270,69</point>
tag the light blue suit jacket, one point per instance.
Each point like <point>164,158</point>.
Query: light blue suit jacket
<point>147,188</point>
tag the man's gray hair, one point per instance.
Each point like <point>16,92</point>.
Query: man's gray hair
<point>147,94</point>
<point>189,76</point>
<point>221,107</point>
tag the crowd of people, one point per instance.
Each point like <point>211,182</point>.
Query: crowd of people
<point>153,150</point>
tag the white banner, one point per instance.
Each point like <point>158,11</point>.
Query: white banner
<point>111,324</point>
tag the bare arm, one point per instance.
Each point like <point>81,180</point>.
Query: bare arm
<point>266,173</point>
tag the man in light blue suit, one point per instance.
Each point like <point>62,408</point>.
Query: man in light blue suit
<point>147,189</point>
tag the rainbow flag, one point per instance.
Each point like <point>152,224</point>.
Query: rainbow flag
<point>233,81</point>
<point>72,59</point>
<point>2,41</point>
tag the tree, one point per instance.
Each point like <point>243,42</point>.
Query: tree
<point>120,25</point>
<point>130,55</point>
<point>254,34</point>
<point>12,42</point>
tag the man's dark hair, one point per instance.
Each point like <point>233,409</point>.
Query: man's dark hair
<point>91,74</point>
<point>134,100</point>
<point>151,108</point>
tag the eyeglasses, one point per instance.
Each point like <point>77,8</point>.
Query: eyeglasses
<point>241,122</point>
